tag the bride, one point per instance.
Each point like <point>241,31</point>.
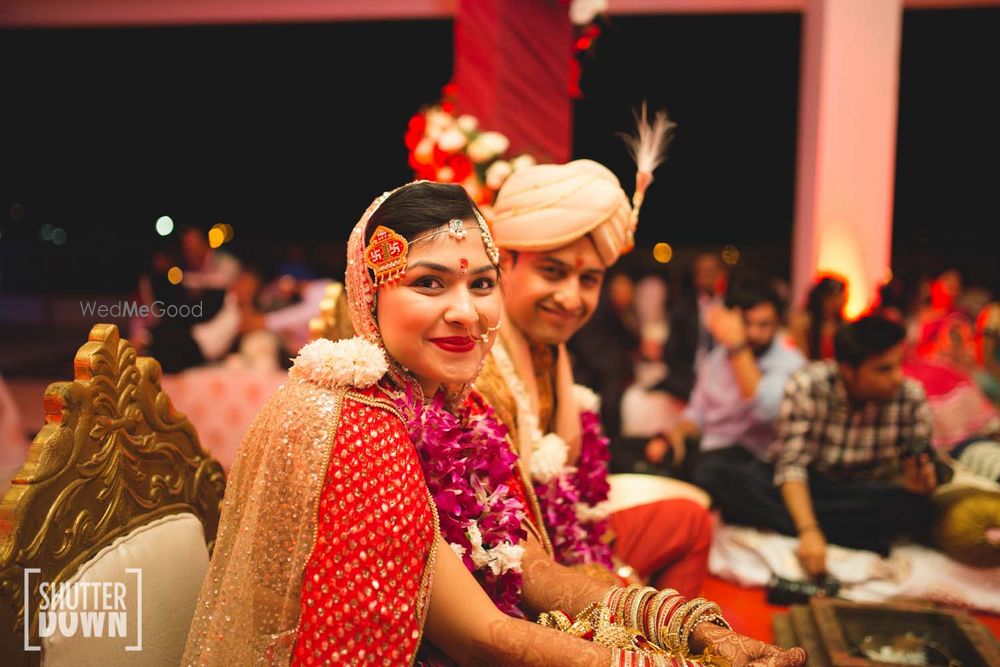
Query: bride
<point>375,500</point>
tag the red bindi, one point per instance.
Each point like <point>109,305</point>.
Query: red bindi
<point>579,262</point>
<point>464,264</point>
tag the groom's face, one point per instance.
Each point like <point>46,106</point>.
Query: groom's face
<point>550,295</point>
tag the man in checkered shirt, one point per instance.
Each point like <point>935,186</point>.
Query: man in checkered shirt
<point>841,430</point>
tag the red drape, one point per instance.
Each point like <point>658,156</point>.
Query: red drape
<point>512,60</point>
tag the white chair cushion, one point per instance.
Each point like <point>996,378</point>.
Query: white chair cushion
<point>172,555</point>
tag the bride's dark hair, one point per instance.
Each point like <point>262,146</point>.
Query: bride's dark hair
<point>422,207</point>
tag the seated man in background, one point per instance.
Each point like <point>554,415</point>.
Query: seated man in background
<point>738,388</point>
<point>844,427</point>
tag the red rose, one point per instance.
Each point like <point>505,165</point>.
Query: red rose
<point>417,123</point>
<point>426,172</point>
<point>412,139</point>
<point>461,165</point>
<point>440,157</point>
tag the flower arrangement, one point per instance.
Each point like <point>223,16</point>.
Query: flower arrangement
<point>450,149</point>
<point>583,15</point>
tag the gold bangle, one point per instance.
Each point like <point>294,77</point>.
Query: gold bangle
<point>686,613</point>
<point>640,619</point>
<point>628,611</point>
<point>555,619</point>
<point>635,611</point>
<point>653,611</point>
<point>672,640</point>
<point>613,597</point>
<point>702,609</point>
<point>624,602</point>
<point>618,611</point>
<point>610,595</point>
<point>584,621</point>
<point>708,618</point>
<point>664,615</point>
<point>717,619</point>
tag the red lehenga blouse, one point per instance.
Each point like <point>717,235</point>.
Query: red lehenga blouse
<point>367,582</point>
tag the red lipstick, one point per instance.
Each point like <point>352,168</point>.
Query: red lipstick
<point>455,343</point>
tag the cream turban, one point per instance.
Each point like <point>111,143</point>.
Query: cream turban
<point>546,206</point>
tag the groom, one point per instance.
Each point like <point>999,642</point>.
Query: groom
<point>559,228</point>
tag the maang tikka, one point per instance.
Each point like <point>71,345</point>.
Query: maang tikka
<point>386,255</point>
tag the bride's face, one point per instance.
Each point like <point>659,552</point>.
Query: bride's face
<point>428,318</point>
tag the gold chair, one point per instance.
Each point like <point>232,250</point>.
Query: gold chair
<point>334,320</point>
<point>116,495</point>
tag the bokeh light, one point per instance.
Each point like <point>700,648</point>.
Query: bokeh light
<point>216,237</point>
<point>164,225</point>
<point>226,230</point>
<point>662,252</point>
<point>59,236</point>
<point>175,275</point>
<point>731,255</point>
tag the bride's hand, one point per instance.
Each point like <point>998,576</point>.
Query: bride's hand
<point>743,651</point>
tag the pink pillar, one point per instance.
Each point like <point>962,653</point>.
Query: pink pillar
<point>512,72</point>
<point>847,145</point>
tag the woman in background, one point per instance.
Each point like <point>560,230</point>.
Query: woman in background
<point>814,328</point>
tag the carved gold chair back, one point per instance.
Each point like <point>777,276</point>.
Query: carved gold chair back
<point>113,458</point>
<point>334,319</point>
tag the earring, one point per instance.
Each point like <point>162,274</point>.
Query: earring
<point>484,337</point>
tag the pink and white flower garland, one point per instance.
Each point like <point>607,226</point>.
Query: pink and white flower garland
<point>573,503</point>
<point>469,469</point>
<point>572,499</point>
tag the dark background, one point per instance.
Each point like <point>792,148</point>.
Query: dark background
<point>288,131</point>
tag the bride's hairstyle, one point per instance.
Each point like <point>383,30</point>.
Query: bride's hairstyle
<point>421,207</point>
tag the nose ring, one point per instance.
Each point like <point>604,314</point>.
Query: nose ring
<point>484,337</point>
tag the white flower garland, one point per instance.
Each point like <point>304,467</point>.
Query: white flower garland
<point>586,399</point>
<point>587,513</point>
<point>549,452</point>
<point>500,559</point>
<point>351,362</point>
<point>549,458</point>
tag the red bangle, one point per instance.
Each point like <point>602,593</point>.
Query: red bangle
<point>667,611</point>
